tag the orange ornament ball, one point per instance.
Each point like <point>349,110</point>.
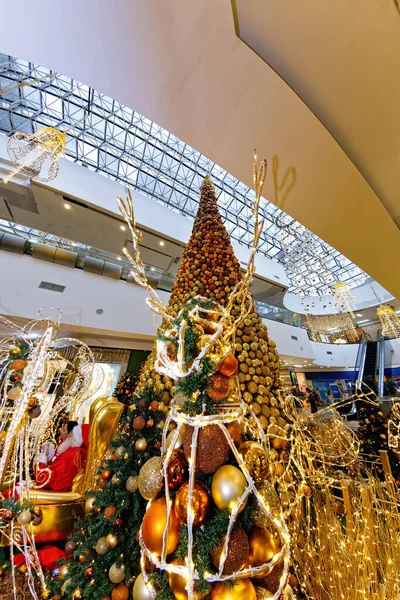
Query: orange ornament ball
<point>109,512</point>
<point>200,503</point>
<point>153,526</point>
<point>228,366</point>
<point>239,589</point>
<point>18,364</point>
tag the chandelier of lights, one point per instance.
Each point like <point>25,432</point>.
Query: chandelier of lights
<point>344,298</point>
<point>390,321</point>
<point>338,326</point>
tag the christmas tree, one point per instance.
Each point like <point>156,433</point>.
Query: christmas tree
<point>372,431</point>
<point>209,268</point>
<point>125,388</point>
<point>103,551</point>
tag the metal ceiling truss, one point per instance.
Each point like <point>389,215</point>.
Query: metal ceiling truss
<point>109,138</point>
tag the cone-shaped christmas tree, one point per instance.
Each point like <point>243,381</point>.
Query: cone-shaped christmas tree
<point>209,268</point>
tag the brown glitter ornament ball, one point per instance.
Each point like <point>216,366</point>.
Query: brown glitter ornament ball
<point>120,592</point>
<point>139,423</point>
<point>212,448</point>
<point>272,580</point>
<point>142,404</point>
<point>238,551</point>
<point>218,388</point>
<point>71,546</point>
<point>200,503</point>
<point>177,469</point>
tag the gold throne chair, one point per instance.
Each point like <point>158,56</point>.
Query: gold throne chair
<point>62,509</point>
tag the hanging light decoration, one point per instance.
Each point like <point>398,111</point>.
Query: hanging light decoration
<point>390,321</point>
<point>338,326</point>
<point>344,298</point>
<point>38,148</point>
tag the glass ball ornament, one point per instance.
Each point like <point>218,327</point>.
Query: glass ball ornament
<point>241,589</point>
<point>140,590</point>
<point>227,487</point>
<point>111,540</point>
<point>140,445</point>
<point>153,526</point>
<point>64,571</point>
<point>89,504</point>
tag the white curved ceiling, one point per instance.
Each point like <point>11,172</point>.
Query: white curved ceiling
<point>180,63</point>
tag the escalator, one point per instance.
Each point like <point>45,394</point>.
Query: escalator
<point>370,366</point>
<point>370,362</point>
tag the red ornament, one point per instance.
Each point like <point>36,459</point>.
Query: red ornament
<point>106,474</point>
<point>154,405</point>
<point>176,469</point>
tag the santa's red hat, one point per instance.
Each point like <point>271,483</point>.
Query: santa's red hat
<point>81,435</point>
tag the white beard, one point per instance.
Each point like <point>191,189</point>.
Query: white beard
<point>69,442</point>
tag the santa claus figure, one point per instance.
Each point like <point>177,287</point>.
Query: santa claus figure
<point>58,467</point>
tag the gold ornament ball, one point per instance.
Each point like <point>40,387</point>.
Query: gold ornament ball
<point>14,350</point>
<point>77,594</point>
<point>116,573</point>
<point>132,484</point>
<point>63,572</point>
<point>256,459</point>
<point>179,441</point>
<point>153,526</point>
<point>140,590</point>
<point>238,589</point>
<point>89,504</point>
<point>140,445</point>
<point>150,477</point>
<point>177,585</point>
<point>228,485</point>
<point>236,432</point>
<point>101,546</point>
<point>263,547</point>
<point>111,540</point>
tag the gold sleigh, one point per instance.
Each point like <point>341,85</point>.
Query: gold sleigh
<point>62,509</point>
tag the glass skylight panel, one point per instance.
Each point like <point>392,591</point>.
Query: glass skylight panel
<point>127,146</point>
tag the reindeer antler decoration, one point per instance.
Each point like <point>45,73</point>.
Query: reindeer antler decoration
<point>242,289</point>
<point>126,209</point>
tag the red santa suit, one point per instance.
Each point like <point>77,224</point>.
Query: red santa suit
<point>58,471</point>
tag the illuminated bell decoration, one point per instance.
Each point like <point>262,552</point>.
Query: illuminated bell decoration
<point>263,547</point>
<point>344,299</point>
<point>256,459</point>
<point>239,589</point>
<point>390,321</point>
<point>153,527</point>
<point>228,485</point>
<point>46,145</point>
<point>176,469</point>
<point>200,503</point>
<point>150,477</point>
<point>140,590</point>
<point>177,584</point>
<point>116,573</point>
